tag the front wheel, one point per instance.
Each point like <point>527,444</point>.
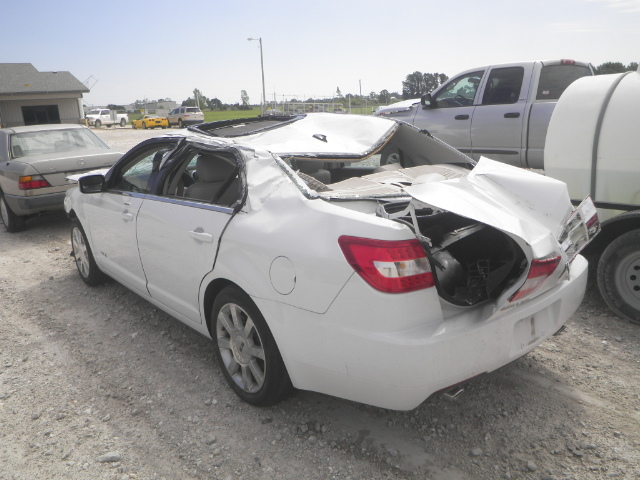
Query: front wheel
<point>180,123</point>
<point>247,351</point>
<point>122,122</point>
<point>98,124</point>
<point>87,268</point>
<point>144,125</point>
<point>12,222</point>
<point>619,276</point>
<point>133,125</point>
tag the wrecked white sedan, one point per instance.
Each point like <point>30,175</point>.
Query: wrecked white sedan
<point>310,269</point>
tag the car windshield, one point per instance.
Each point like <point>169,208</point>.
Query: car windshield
<point>53,141</point>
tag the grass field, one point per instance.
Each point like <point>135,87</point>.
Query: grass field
<point>214,116</point>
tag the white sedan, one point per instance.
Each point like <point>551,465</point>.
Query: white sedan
<point>310,269</point>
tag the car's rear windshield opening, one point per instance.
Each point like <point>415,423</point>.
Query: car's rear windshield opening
<point>193,110</point>
<point>53,141</point>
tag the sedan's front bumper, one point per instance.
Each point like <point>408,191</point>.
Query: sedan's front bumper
<point>407,354</point>
<point>28,205</point>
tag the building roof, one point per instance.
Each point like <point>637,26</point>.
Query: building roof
<point>24,78</point>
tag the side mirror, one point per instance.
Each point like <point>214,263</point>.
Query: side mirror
<point>425,101</point>
<point>91,183</point>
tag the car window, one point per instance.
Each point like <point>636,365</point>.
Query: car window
<point>136,175</point>
<point>460,92</point>
<point>193,110</point>
<point>53,141</point>
<point>554,79</point>
<point>206,177</point>
<point>503,86</point>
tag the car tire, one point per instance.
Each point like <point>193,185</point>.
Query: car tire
<point>144,125</point>
<point>123,123</point>
<point>133,125</point>
<point>86,264</point>
<point>246,350</point>
<point>180,123</point>
<point>12,223</point>
<point>619,276</point>
<point>98,124</point>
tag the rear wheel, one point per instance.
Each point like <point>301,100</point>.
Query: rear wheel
<point>87,268</point>
<point>180,124</point>
<point>619,276</point>
<point>247,351</point>
<point>144,125</point>
<point>12,222</point>
<point>122,122</point>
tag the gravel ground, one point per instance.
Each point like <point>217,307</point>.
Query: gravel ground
<point>96,383</point>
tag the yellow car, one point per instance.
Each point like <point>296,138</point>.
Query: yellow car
<point>150,121</point>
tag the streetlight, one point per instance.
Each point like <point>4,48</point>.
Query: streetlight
<point>264,96</point>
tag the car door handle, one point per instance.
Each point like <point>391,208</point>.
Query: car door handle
<point>512,115</point>
<point>202,236</point>
<point>462,117</point>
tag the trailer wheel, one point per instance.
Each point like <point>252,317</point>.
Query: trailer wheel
<point>619,276</point>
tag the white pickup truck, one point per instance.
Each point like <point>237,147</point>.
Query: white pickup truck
<point>103,116</point>
<point>592,146</point>
<point>498,111</point>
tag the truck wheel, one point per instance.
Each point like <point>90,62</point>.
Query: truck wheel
<point>619,276</point>
<point>12,222</point>
<point>123,123</point>
<point>98,124</point>
<point>180,124</point>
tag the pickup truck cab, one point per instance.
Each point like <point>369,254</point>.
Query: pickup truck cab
<point>103,116</point>
<point>592,147</point>
<point>498,111</point>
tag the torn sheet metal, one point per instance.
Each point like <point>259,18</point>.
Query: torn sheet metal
<point>325,134</point>
<point>505,197</point>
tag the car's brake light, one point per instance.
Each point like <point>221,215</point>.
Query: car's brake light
<point>541,270</point>
<point>567,62</point>
<point>389,266</point>
<point>31,182</point>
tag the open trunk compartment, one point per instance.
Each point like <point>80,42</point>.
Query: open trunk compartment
<point>471,262</point>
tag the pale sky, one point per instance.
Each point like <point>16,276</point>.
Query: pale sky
<point>138,49</point>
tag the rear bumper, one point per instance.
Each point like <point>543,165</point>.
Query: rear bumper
<point>399,368</point>
<point>23,205</point>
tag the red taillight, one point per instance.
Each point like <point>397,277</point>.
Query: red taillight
<point>389,266</point>
<point>31,182</point>
<point>541,270</point>
<point>567,62</point>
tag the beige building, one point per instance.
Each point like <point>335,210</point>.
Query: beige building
<point>30,97</point>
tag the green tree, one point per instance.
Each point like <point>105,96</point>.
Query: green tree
<point>615,67</point>
<point>417,83</point>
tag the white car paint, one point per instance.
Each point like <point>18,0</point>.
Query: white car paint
<point>278,242</point>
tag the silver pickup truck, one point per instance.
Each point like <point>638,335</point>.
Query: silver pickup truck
<point>498,111</point>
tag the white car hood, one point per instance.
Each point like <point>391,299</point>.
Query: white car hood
<point>504,197</point>
<point>397,107</point>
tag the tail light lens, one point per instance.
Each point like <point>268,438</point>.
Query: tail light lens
<point>32,182</point>
<point>541,270</point>
<point>389,266</point>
